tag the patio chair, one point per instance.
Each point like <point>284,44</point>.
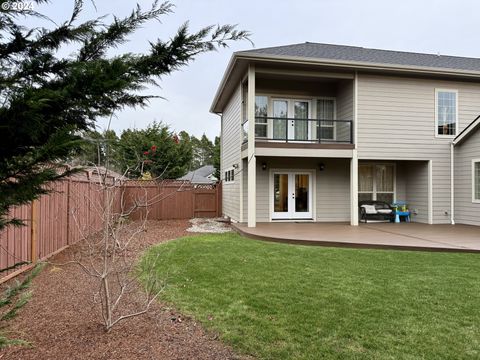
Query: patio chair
<point>375,210</point>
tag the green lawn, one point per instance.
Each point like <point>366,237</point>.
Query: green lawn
<point>277,301</point>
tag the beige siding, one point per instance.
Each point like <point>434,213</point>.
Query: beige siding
<point>396,120</point>
<point>416,174</point>
<point>466,211</point>
<point>231,154</point>
<point>332,186</point>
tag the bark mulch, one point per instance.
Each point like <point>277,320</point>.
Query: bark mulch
<point>62,321</point>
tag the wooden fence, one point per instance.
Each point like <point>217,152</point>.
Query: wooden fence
<point>173,200</point>
<point>74,209</point>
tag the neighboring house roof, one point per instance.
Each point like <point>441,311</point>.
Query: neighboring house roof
<point>366,55</point>
<point>351,57</point>
<point>469,130</point>
<point>203,175</point>
<point>95,173</point>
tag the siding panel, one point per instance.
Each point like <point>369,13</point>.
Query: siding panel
<point>466,211</point>
<point>396,120</point>
<point>231,154</point>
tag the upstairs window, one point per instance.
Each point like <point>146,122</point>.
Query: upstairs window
<point>261,111</point>
<point>446,112</point>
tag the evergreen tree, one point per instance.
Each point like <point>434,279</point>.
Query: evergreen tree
<point>156,150</point>
<point>203,150</point>
<point>216,157</point>
<point>46,99</point>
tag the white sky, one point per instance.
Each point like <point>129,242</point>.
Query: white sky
<point>431,26</point>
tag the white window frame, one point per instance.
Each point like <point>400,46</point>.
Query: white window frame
<point>474,199</point>
<point>334,125</point>
<point>312,112</point>
<point>225,181</point>
<point>439,90</point>
<point>374,178</point>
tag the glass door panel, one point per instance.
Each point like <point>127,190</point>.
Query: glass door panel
<point>280,111</point>
<point>300,112</point>
<point>280,194</point>
<point>302,191</point>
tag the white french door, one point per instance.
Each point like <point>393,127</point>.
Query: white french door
<point>293,129</point>
<point>292,195</point>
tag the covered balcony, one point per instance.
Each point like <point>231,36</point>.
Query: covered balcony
<point>299,109</point>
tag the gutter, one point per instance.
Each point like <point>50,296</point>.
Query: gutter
<point>452,183</point>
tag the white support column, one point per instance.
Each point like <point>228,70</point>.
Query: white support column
<point>354,189</point>
<point>251,161</point>
<point>430,192</point>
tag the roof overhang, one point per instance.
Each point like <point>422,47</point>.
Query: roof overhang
<point>469,130</point>
<point>239,61</point>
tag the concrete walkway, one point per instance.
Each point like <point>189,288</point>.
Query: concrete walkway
<point>403,236</point>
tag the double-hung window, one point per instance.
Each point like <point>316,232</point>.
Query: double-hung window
<point>261,111</point>
<point>325,116</point>
<point>476,180</point>
<point>446,112</point>
<point>376,182</point>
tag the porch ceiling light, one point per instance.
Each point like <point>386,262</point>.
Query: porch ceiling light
<point>264,166</point>
<point>321,166</point>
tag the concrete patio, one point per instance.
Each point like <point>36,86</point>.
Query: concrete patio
<point>402,236</point>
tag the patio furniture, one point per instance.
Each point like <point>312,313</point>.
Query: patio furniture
<point>401,210</point>
<point>399,213</point>
<point>375,210</point>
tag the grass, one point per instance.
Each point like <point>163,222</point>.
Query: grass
<point>278,301</point>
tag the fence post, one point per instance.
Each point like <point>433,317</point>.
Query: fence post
<point>34,231</point>
<point>68,211</point>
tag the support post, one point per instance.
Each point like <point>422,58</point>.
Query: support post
<point>354,189</point>
<point>34,230</point>
<point>430,192</point>
<point>251,161</point>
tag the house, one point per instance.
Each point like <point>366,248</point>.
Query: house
<point>309,130</point>
<point>201,176</point>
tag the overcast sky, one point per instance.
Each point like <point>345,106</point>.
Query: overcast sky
<point>431,26</point>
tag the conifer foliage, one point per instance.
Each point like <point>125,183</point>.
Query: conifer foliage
<point>46,99</point>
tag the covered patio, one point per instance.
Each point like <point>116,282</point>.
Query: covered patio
<point>402,236</point>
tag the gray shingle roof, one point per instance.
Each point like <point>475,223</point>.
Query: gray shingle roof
<point>360,54</point>
<point>200,176</point>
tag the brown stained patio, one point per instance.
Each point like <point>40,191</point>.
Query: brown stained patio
<point>402,236</point>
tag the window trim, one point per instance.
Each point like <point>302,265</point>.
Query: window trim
<point>474,199</point>
<point>290,99</point>
<point>437,135</point>
<point>228,178</point>
<point>334,125</point>
<point>374,191</point>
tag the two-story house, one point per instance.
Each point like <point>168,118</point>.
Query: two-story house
<point>309,130</point>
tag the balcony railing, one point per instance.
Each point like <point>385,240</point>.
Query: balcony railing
<point>316,131</point>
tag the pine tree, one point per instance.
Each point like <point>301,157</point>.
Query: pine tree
<point>46,100</point>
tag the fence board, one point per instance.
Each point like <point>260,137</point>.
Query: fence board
<point>74,210</point>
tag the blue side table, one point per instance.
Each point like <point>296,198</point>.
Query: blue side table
<point>402,213</point>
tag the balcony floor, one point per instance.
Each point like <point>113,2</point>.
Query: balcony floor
<point>402,236</point>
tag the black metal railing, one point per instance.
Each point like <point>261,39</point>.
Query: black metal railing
<point>301,130</point>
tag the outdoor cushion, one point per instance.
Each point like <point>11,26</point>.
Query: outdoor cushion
<point>384,211</point>
<point>369,209</point>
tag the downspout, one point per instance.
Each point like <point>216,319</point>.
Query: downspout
<point>452,184</point>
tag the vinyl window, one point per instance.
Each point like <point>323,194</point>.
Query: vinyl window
<point>446,112</point>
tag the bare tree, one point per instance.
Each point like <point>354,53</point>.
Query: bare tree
<point>105,252</point>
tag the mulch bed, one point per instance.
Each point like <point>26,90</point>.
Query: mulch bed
<point>62,321</point>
